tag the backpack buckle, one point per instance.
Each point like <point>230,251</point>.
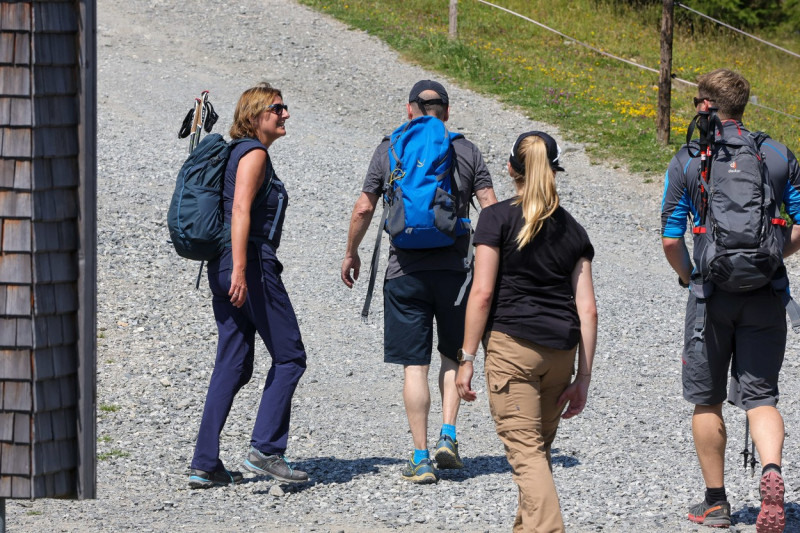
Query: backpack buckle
<point>699,229</point>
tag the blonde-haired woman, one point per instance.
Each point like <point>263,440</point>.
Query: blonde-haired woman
<point>532,302</point>
<point>249,297</point>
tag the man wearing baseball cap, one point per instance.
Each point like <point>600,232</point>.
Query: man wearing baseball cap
<point>421,285</point>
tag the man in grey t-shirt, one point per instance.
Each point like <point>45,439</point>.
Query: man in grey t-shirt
<point>421,285</point>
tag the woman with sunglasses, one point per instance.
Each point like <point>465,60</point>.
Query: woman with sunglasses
<point>249,297</point>
<point>532,302</point>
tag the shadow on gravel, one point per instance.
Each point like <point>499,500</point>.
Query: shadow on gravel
<point>747,516</point>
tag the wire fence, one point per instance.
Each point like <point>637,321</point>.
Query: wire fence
<point>644,67</point>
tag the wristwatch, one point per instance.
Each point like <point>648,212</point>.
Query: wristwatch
<point>463,356</point>
<point>682,284</point>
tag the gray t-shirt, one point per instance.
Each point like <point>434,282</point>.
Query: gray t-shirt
<point>473,176</point>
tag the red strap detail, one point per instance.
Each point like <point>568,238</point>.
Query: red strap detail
<point>778,222</point>
<point>699,229</point>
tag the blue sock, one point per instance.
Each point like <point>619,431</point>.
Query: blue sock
<point>419,455</point>
<point>449,430</point>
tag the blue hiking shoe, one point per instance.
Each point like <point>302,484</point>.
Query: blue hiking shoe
<point>200,479</point>
<point>422,473</point>
<point>446,454</point>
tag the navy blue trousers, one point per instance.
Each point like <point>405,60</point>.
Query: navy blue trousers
<point>269,312</point>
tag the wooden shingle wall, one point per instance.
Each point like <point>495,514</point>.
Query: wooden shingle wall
<point>41,223</point>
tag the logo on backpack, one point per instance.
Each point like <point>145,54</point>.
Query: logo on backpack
<point>421,194</point>
<point>738,242</point>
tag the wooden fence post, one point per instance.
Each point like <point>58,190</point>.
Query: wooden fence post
<point>665,78</point>
<point>453,19</point>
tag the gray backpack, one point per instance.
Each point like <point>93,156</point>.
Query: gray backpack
<point>739,244</point>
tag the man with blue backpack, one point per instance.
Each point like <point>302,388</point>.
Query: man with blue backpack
<point>427,176</point>
<point>732,184</point>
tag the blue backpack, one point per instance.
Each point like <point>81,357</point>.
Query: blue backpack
<point>420,201</point>
<point>421,205</point>
<point>195,218</point>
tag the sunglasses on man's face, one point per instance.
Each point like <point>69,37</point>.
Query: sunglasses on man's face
<point>700,99</point>
<point>278,108</point>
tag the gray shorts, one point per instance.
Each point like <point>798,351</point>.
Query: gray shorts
<point>745,332</point>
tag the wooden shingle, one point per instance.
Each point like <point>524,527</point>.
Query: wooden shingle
<point>22,428</point>
<point>49,392</point>
<point>7,427</point>
<point>56,111</point>
<point>16,204</point>
<point>8,332</point>
<point>18,300</point>
<point>61,420</point>
<point>69,391</point>
<point>46,332</point>
<point>15,268</point>
<point>5,486</point>
<point>58,173</point>
<point>66,298</point>
<point>22,49</point>
<point>16,459</point>
<point>43,363</point>
<point>43,429</point>
<point>69,328</point>
<point>20,112</point>
<point>17,142</point>
<point>15,81</point>
<point>6,47</point>
<point>56,49</point>
<point>21,487</point>
<point>65,361</point>
<point>54,142</point>
<point>24,333</point>
<point>55,17</point>
<point>16,235</point>
<point>17,397</point>
<point>15,16</point>
<point>7,173</point>
<point>22,175</point>
<point>55,267</point>
<point>54,80</point>
<point>44,299</point>
<point>3,293</point>
<point>16,364</point>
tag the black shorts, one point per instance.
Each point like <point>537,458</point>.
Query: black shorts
<point>410,303</point>
<point>744,331</point>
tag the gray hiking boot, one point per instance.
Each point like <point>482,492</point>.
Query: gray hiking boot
<point>273,465</point>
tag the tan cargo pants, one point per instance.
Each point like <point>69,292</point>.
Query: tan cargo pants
<point>524,382</point>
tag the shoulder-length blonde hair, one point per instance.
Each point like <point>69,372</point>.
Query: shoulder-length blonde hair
<point>252,103</point>
<point>538,195</point>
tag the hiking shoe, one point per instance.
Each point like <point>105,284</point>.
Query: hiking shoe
<point>422,473</point>
<point>273,465</point>
<point>717,515</point>
<point>446,455</point>
<point>200,479</point>
<point>771,519</point>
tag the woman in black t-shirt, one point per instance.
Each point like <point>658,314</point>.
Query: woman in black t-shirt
<point>532,301</point>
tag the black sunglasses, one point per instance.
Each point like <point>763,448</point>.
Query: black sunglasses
<point>700,99</point>
<point>278,108</point>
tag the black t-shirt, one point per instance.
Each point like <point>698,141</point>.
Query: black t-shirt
<point>534,298</point>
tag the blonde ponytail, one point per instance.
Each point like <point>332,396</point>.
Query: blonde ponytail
<point>538,195</point>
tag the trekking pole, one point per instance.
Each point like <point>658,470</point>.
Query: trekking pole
<point>749,455</point>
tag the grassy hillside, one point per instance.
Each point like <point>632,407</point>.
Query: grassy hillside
<point>596,100</point>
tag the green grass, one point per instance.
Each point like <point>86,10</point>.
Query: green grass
<point>607,104</point>
<point>109,408</point>
<point>113,454</point>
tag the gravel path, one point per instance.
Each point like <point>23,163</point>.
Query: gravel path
<point>626,464</point>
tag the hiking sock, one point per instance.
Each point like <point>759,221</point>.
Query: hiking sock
<point>716,495</point>
<point>449,430</point>
<point>419,455</point>
<point>771,466</point>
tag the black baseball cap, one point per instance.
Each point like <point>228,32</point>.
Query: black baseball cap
<point>553,151</point>
<point>428,85</point>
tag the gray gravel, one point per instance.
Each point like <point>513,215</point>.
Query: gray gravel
<point>626,464</point>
